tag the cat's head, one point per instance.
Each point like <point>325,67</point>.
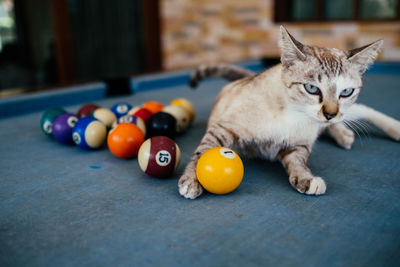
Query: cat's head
<point>323,82</point>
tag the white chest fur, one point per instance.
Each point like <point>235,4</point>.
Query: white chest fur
<point>284,131</point>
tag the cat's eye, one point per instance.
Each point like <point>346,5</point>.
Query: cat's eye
<point>311,89</point>
<point>347,92</point>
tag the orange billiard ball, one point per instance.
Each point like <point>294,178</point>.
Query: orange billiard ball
<point>125,140</point>
<point>153,106</point>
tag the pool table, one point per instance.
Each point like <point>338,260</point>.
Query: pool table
<point>64,206</point>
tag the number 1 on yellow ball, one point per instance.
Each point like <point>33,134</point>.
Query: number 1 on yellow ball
<point>220,170</point>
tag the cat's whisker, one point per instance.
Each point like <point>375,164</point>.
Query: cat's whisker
<point>355,129</point>
<point>361,127</point>
<point>366,126</point>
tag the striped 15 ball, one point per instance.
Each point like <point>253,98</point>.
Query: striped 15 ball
<point>159,157</point>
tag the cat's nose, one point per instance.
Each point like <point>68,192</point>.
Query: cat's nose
<point>329,115</point>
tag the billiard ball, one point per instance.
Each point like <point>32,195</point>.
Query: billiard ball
<point>89,133</point>
<point>220,170</point>
<point>159,157</point>
<point>186,105</point>
<point>121,109</point>
<point>62,128</point>
<point>140,112</point>
<point>106,116</point>
<point>125,140</point>
<point>87,110</point>
<point>132,119</point>
<point>161,124</point>
<point>48,117</point>
<point>181,116</point>
<point>153,106</point>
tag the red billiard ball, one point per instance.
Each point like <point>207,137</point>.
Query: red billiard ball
<point>159,157</point>
<point>87,110</point>
<point>142,113</point>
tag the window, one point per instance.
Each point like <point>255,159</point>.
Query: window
<point>336,10</point>
<point>7,23</point>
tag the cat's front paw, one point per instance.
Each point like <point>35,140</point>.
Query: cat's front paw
<point>394,131</point>
<point>189,187</point>
<point>308,185</point>
<point>345,138</point>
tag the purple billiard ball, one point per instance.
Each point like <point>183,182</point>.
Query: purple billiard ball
<point>62,128</point>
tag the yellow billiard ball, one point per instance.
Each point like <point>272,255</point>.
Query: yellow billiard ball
<point>220,170</point>
<point>181,116</point>
<point>106,116</point>
<point>186,105</point>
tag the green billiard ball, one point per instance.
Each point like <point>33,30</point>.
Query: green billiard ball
<point>48,118</point>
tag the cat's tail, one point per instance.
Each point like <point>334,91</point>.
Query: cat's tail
<point>222,70</point>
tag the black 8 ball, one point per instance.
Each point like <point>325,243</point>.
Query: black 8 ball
<point>161,124</point>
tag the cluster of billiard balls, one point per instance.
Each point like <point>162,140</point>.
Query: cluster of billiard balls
<point>125,129</point>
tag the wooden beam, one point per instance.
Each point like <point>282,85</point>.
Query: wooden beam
<point>282,10</point>
<point>152,35</point>
<point>319,10</point>
<point>398,10</point>
<point>63,41</point>
<point>356,9</point>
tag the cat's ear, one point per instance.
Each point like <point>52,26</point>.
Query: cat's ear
<point>364,56</point>
<point>291,49</point>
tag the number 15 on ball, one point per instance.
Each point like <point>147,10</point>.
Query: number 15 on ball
<point>159,156</point>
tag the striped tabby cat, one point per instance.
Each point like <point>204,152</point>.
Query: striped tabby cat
<point>279,113</point>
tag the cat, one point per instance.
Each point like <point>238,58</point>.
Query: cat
<point>279,113</point>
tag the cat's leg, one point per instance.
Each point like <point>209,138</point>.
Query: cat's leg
<point>216,135</point>
<point>300,177</point>
<point>343,136</point>
<point>380,120</point>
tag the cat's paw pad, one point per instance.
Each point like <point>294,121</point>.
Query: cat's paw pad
<point>394,131</point>
<point>309,186</point>
<point>346,138</point>
<point>317,186</point>
<point>189,187</point>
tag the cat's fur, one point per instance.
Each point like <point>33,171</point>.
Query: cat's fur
<point>271,115</point>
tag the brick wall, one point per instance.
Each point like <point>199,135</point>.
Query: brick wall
<point>198,31</point>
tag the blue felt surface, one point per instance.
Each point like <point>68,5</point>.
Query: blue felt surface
<point>62,206</point>
<point>177,78</point>
<point>23,104</point>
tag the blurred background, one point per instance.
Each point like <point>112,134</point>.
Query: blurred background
<point>48,43</point>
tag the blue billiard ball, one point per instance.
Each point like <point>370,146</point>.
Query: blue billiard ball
<point>121,109</point>
<point>89,133</point>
